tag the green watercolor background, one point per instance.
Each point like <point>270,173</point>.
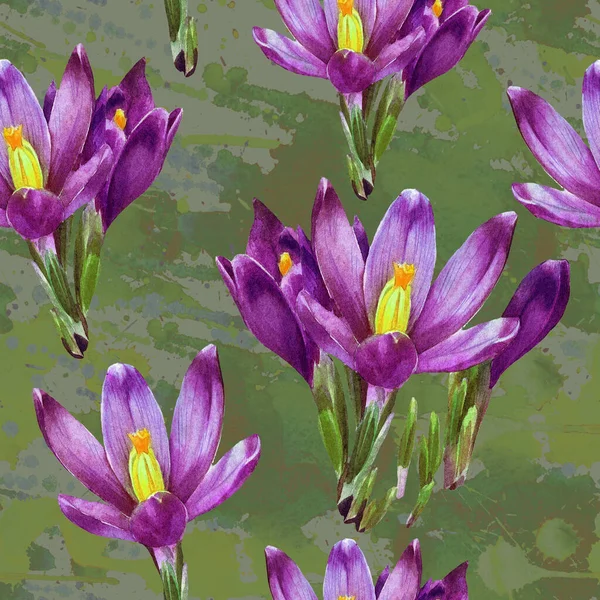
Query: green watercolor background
<point>528,519</point>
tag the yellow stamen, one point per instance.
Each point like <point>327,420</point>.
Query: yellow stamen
<point>393,307</point>
<point>120,119</point>
<point>144,470</point>
<point>23,161</point>
<point>437,8</point>
<point>346,597</point>
<point>350,27</point>
<point>285,263</point>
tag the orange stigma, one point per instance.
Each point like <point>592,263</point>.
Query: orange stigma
<point>437,8</point>
<point>403,275</point>
<point>120,119</point>
<point>14,136</point>
<point>346,7</point>
<point>285,263</point>
<point>141,440</point>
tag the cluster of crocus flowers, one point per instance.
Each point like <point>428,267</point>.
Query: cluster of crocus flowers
<point>152,484</point>
<point>76,151</point>
<point>347,576</point>
<point>356,44</point>
<point>376,308</point>
<point>564,156</point>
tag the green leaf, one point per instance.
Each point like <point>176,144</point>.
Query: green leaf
<point>424,462</point>
<point>376,510</point>
<point>407,441</point>
<point>175,9</point>
<point>434,446</point>
<point>382,139</point>
<point>332,440</point>
<point>422,500</point>
<point>456,402</point>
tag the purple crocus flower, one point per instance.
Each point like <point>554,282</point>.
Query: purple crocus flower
<point>348,577</point>
<point>450,26</point>
<point>389,319</point>
<point>563,155</point>
<point>265,282</point>
<point>43,180</point>
<point>350,42</point>
<point>139,135</point>
<point>152,485</point>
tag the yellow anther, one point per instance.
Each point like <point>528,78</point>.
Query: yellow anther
<point>437,8</point>
<point>120,119</point>
<point>393,307</point>
<point>23,162</point>
<point>285,263</point>
<point>350,27</point>
<point>144,470</point>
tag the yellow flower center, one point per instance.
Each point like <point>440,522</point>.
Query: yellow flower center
<point>393,307</point>
<point>23,161</point>
<point>437,8</point>
<point>346,597</point>
<point>285,263</point>
<point>350,27</point>
<point>120,119</point>
<point>144,470</point>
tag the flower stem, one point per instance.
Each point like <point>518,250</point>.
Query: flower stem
<point>173,571</point>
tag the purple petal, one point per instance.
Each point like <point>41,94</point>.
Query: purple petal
<point>159,521</point>
<point>347,573</point>
<point>19,106</point>
<point>175,117</point>
<point>351,72</point>
<point>306,21</point>
<point>386,360</point>
<point>406,234</point>
<point>469,347</point>
<point>286,581</point>
<point>70,118</point>
<point>329,332</point>
<point>268,315</point>
<point>339,257</point>
<point>127,406</point>
<point>79,451</point>
<point>381,581</point>
<point>591,108</point>
<point>395,57</point>
<point>83,185</point>
<point>146,146</point>
<point>226,270</point>
<point>226,477</point>
<point>452,587</point>
<point>4,222</point>
<point>96,518</point>
<point>539,303</point>
<point>556,145</point>
<point>445,49</point>
<point>289,54</point>
<point>6,191</point>
<point>465,282</point>
<point>137,95</point>
<point>389,17</point>
<point>34,213</point>
<point>405,580</point>
<point>556,206</point>
<point>365,8</point>
<point>49,100</point>
<point>197,421</point>
<point>263,238</point>
<point>361,237</point>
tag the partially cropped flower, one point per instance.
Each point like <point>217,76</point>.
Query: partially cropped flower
<point>139,134</point>
<point>350,42</point>
<point>451,26</point>
<point>348,576</point>
<point>151,484</point>
<point>43,179</point>
<point>390,320</point>
<point>539,303</point>
<point>563,155</point>
<point>265,282</point>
